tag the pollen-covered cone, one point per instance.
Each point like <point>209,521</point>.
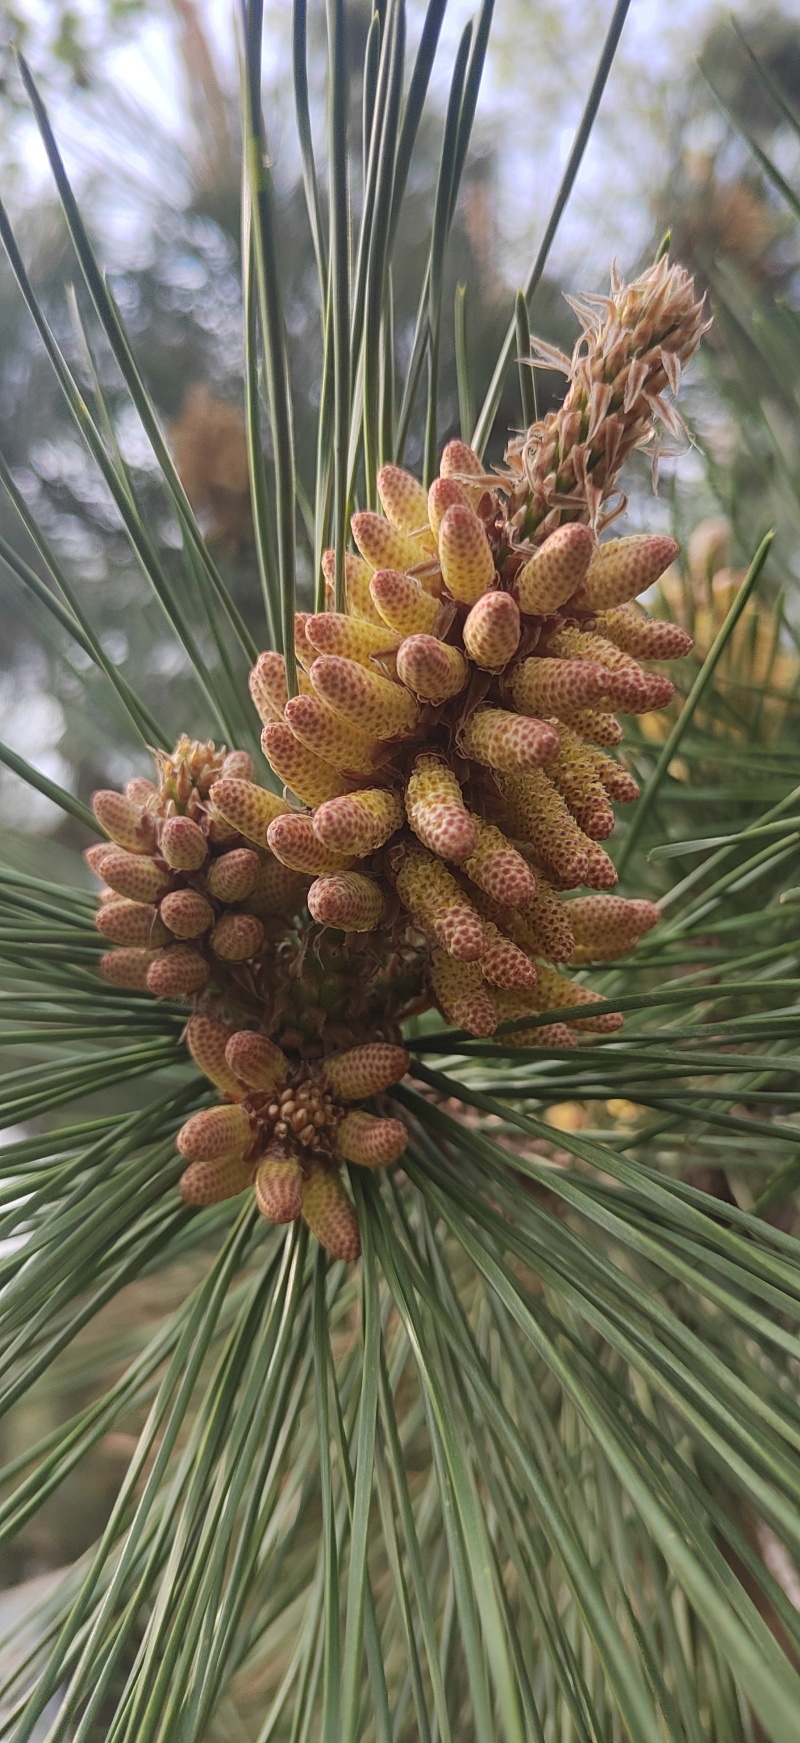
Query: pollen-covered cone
<point>193,892</point>
<point>287,1127</point>
<point>466,699</point>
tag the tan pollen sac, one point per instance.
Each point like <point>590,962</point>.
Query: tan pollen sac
<point>504,963</point>
<point>554,685</point>
<point>405,503</point>
<point>304,650</point>
<point>605,927</point>
<point>542,818</point>
<point>268,686</point>
<point>142,792</point>
<point>601,872</point>
<point>237,766</point>
<point>207,1039</point>
<point>628,686</point>
<point>382,547</point>
<point>177,972</point>
<point>510,1006</point>
<point>366,1070</point>
<point>233,875</point>
<point>247,808</point>
<point>555,571</point>
<point>212,1182</point>
<point>436,811</point>
<point>237,937</point>
<point>460,990</point>
<point>127,824</point>
<point>332,738</point>
<point>186,913</point>
<point>278,1188</point>
<point>294,843</point>
<point>461,462</point>
<point>645,637</point>
<point>465,555</point>
<point>132,875</point>
<point>540,929</point>
<point>365,700</point>
<point>492,631</point>
<point>505,742</point>
<point>403,604</point>
<point>497,868</point>
<point>127,968</point>
<point>445,493</point>
<point>357,577</point>
<point>593,725</point>
<point>214,1133</point>
<point>556,992</point>
<point>131,923</point>
<point>255,1060</point>
<point>359,823</point>
<point>574,773</point>
<point>331,632</point>
<point>370,1142</point>
<point>347,901</point>
<point>330,1216</point>
<point>621,569</point>
<point>439,905</point>
<point>430,669</point>
<point>304,774</point>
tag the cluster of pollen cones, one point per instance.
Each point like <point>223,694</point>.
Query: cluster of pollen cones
<point>448,777</point>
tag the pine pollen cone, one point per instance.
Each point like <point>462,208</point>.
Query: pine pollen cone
<point>446,774</point>
<point>465,698</point>
<point>287,1127</point>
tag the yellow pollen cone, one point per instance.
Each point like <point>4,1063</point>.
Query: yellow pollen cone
<point>329,1214</point>
<point>430,669</point>
<point>436,810</point>
<point>305,774</point>
<point>177,972</point>
<point>461,462</point>
<point>237,937</point>
<point>366,1070</point>
<point>498,869</point>
<point>278,1189</point>
<point>623,568</point>
<point>370,1142</point>
<point>465,555</point>
<point>370,703</point>
<point>381,546</point>
<point>358,823</point>
<point>492,631</point>
<point>233,875</point>
<point>460,990</point>
<point>294,843</point>
<point>255,1059</point>
<point>212,1182</point>
<point>247,808</point>
<point>215,1132</point>
<point>346,900</point>
<point>207,1039</point>
<point>329,736</point>
<point>403,603</point>
<point>556,570</point>
<point>445,493</point>
<point>186,913</point>
<point>352,637</point>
